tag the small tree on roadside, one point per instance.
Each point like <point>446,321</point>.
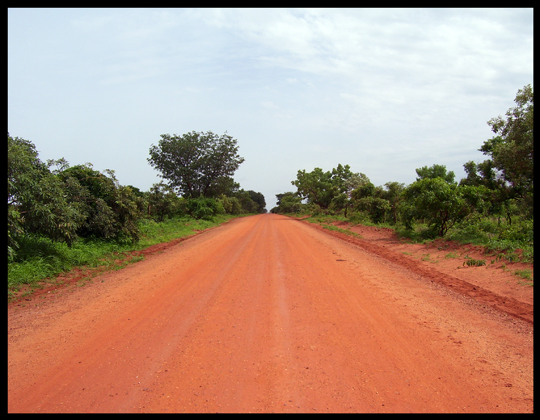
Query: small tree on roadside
<point>204,208</point>
<point>162,202</point>
<point>377,208</point>
<point>393,194</point>
<point>436,201</point>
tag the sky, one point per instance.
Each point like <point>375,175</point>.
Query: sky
<point>385,91</point>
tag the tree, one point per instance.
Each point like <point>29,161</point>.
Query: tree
<point>315,186</point>
<point>110,210</point>
<point>36,199</point>
<point>376,207</point>
<point>288,202</point>
<point>258,199</point>
<point>354,181</point>
<point>204,207</point>
<point>343,179</point>
<point>162,201</point>
<point>225,185</point>
<point>435,171</point>
<point>512,149</point>
<point>231,205</point>
<point>248,205</point>
<point>321,188</point>
<point>375,201</point>
<point>196,164</point>
<point>441,204</point>
<point>127,212</point>
<point>394,196</point>
<point>498,193</point>
<point>365,190</point>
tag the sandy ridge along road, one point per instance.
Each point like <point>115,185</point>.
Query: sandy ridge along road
<point>266,314</point>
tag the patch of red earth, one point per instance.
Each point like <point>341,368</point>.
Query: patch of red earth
<point>269,314</point>
<point>445,261</point>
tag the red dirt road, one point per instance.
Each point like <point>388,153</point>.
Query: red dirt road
<point>266,314</point>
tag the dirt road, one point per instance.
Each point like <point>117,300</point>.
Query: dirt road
<point>266,314</point>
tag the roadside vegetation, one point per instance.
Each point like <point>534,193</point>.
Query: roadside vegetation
<point>61,216</point>
<point>492,206</point>
<point>40,259</point>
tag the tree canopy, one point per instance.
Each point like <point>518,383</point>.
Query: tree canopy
<point>196,164</point>
<point>436,171</point>
<point>287,202</point>
<point>320,188</point>
<point>511,150</point>
<point>440,203</point>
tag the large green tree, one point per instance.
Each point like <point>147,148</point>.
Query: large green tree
<point>512,148</point>
<point>196,164</point>
<point>508,174</point>
<point>315,186</point>
<point>326,188</point>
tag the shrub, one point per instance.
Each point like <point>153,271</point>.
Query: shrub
<point>204,208</point>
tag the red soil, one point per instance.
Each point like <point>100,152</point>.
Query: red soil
<point>272,314</point>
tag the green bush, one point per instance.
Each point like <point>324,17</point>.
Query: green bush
<point>469,233</point>
<point>377,208</point>
<point>204,208</point>
<point>520,231</point>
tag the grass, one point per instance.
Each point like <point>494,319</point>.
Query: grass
<point>504,240</point>
<point>345,231</point>
<point>511,242</point>
<point>326,222</point>
<point>524,274</point>
<point>471,262</point>
<point>42,260</point>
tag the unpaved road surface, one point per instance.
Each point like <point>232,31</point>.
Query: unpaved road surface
<point>267,314</point>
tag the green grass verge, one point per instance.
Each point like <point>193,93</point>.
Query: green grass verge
<point>41,260</point>
<point>498,239</point>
